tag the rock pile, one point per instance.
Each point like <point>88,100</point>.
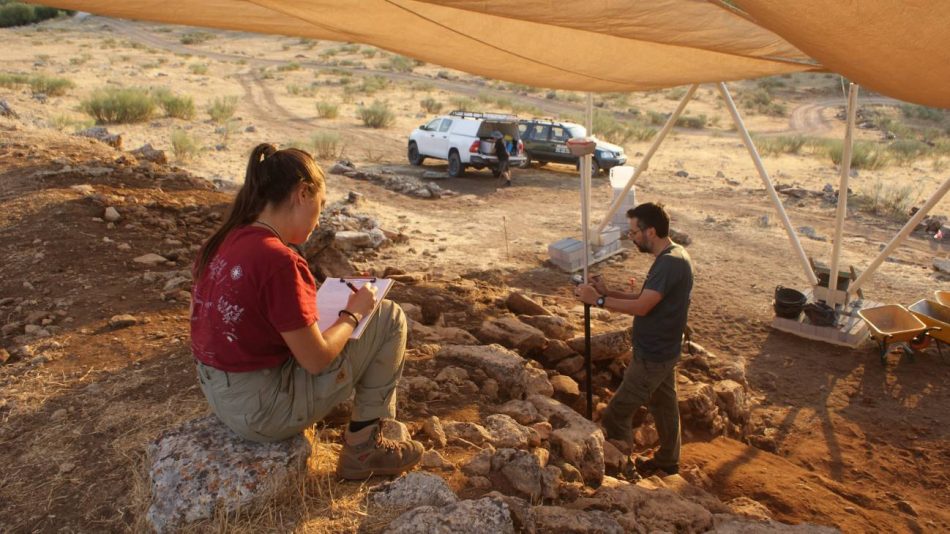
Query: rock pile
<point>407,185</point>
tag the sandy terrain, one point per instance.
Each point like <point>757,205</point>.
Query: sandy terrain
<point>860,446</point>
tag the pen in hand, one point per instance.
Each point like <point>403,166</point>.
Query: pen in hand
<point>351,286</point>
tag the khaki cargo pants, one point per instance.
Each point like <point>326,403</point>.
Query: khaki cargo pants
<point>277,403</point>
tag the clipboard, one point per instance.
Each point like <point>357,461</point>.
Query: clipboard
<point>334,294</point>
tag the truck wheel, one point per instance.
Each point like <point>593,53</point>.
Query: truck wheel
<point>456,168</point>
<point>415,158</point>
<point>594,167</point>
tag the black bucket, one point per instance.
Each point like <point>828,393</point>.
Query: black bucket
<point>788,302</point>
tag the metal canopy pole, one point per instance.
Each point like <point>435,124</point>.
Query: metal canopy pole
<point>585,223</point>
<point>901,236</point>
<point>843,191</point>
<point>645,162</point>
<point>747,139</point>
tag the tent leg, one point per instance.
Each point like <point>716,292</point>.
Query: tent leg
<point>842,210</point>
<point>645,162</point>
<point>747,139</point>
<point>900,237</point>
<point>585,223</point>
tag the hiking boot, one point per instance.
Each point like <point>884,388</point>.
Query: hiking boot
<point>648,466</point>
<point>616,433</point>
<point>367,453</point>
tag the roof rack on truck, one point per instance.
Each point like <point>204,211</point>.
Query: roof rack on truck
<point>486,116</point>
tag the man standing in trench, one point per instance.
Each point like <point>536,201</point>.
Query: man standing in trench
<point>659,310</point>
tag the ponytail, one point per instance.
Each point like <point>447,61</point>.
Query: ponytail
<point>270,178</point>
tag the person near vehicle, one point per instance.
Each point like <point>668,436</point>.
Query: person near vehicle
<point>266,369</point>
<point>501,152</point>
<point>660,310</point>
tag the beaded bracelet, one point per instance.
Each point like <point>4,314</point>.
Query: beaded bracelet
<point>356,320</point>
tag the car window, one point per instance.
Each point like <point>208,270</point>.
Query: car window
<point>446,124</point>
<point>433,125</point>
<point>522,128</point>
<point>559,134</point>
<point>540,132</point>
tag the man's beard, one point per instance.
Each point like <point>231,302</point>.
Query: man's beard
<point>641,248</point>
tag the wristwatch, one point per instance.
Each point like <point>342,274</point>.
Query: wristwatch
<point>601,300</point>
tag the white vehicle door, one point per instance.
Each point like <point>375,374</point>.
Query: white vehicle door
<point>426,141</point>
<point>440,140</point>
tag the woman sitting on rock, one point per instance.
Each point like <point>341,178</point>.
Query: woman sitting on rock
<point>264,366</point>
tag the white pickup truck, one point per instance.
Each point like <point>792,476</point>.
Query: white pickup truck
<point>464,139</point>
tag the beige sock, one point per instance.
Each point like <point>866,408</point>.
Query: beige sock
<point>359,437</point>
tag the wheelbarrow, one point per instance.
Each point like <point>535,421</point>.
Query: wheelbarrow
<point>893,323</point>
<point>942,297</point>
<point>937,318</point>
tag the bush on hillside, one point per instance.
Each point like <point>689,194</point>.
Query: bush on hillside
<point>222,108</point>
<point>112,105</point>
<point>327,110</point>
<point>378,115</point>
<point>19,14</point>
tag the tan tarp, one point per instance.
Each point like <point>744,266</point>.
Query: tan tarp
<point>897,47</point>
<point>590,46</point>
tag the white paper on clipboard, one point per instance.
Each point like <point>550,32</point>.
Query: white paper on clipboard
<point>334,294</point>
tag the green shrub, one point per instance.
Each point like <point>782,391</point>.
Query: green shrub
<point>676,93</point>
<point>422,86</point>
<point>430,105</point>
<point>641,132</point>
<point>378,115</point>
<point>80,59</point>
<point>326,145</point>
<point>368,53</point>
<point>770,146</point>
<point>222,108</point>
<point>891,201</point>
<point>11,80</point>
<point>198,68</point>
<point>111,105</point>
<point>196,37</point>
<point>350,48</point>
<point>179,107</point>
<point>63,122</point>
<point>184,146</point>
<point>462,103</point>
<point>301,90</point>
<point>373,84</point>
<point>864,155</point>
<point>400,64</point>
<point>287,67</point>
<point>656,118</point>
<point>327,110</point>
<point>760,101</point>
<point>694,123</point>
<point>906,151</point>
<point>913,111</point>
<point>19,14</point>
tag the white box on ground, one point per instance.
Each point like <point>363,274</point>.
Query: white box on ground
<point>619,176</point>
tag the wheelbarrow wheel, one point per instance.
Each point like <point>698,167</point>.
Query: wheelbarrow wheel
<point>920,342</point>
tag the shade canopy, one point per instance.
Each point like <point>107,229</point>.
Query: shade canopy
<point>897,48</point>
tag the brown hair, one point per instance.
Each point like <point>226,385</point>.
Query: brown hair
<point>271,177</point>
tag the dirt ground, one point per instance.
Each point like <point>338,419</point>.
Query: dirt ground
<point>860,446</point>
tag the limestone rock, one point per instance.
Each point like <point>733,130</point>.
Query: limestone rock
<point>613,458</point>
<point>657,509</point>
<point>202,464</point>
<point>555,519</point>
<point>604,346</point>
<point>150,259</point>
<point>504,366</point>
<point>466,433</point>
<point>488,514</point>
<point>521,411</point>
<point>480,464</point>
<point>417,488</point>
<point>698,406</point>
<point>521,470</point>
<point>579,441</point>
<point>733,398</point>
<point>569,366</point>
<point>749,508</point>
<point>433,428</point>
<point>102,134</point>
<point>412,311</point>
<point>520,304</point>
<point>352,240</point>
<point>537,382</point>
<point>550,482</point>
<point>432,459</point>
<point>122,321</point>
<point>511,333</point>
<point>552,326</point>
<point>555,352</point>
<point>506,432</point>
<point>452,335</point>
<point>111,214</point>
<point>148,153</point>
<point>565,388</point>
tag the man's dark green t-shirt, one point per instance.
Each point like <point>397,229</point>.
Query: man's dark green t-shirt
<point>658,335</point>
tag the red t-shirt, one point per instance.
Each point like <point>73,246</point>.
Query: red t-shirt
<point>253,289</point>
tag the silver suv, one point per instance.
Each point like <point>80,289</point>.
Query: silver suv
<point>464,139</point>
